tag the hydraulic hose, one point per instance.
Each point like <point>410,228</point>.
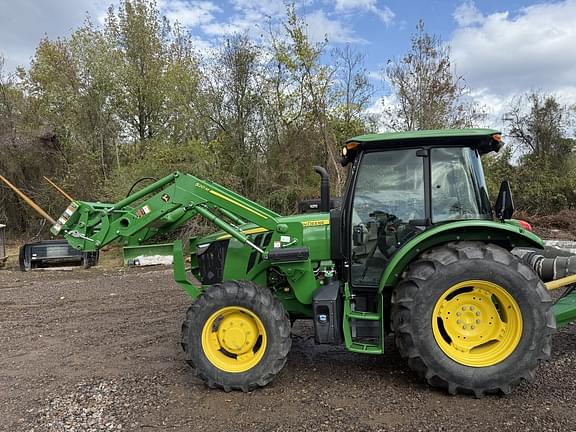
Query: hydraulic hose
<point>135,183</point>
<point>547,268</point>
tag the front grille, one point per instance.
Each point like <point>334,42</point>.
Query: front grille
<point>211,262</point>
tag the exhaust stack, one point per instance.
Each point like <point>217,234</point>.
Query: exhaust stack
<point>324,189</point>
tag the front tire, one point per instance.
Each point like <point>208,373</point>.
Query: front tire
<point>471,318</point>
<point>236,336</point>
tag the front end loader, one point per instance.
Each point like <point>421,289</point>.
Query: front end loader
<point>414,249</point>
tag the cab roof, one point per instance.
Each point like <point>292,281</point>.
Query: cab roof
<point>483,140</point>
<point>425,134</point>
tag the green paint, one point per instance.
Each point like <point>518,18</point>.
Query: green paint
<point>180,274</point>
<point>565,310</point>
<point>508,235</point>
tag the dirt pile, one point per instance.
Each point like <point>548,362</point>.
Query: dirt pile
<point>559,226</point>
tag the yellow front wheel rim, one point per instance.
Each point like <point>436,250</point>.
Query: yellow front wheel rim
<point>234,339</point>
<point>477,323</point>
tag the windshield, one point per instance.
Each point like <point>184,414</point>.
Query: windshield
<point>458,186</point>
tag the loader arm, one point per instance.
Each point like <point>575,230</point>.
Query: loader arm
<point>159,208</point>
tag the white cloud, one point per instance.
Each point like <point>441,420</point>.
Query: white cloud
<point>250,16</point>
<point>237,25</point>
<point>260,7</point>
<point>24,22</point>
<point>376,75</point>
<point>506,54</point>
<point>320,26</point>
<point>384,13</point>
<point>467,14</point>
<point>189,14</point>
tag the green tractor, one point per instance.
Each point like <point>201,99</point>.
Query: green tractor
<point>414,249</point>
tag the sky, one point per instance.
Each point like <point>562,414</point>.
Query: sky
<point>501,48</point>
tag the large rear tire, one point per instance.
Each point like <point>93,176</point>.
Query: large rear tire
<point>236,336</point>
<point>471,318</point>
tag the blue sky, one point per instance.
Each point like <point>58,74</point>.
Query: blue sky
<point>502,48</point>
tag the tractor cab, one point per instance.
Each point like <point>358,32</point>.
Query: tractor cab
<point>401,184</point>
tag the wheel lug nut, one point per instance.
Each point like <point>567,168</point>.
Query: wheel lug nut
<point>458,322</point>
<point>463,308</point>
<point>471,307</point>
<point>464,326</point>
<point>477,313</point>
<point>472,327</point>
<point>477,321</point>
<point>458,313</point>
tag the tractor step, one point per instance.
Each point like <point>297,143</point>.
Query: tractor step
<point>364,316</point>
<point>365,348</point>
<point>565,309</point>
<point>354,320</point>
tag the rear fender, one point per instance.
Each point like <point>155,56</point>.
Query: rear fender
<point>507,235</point>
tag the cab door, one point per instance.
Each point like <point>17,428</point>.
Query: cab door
<point>385,207</point>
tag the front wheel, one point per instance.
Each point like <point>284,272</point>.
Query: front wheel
<point>236,336</point>
<point>471,318</point>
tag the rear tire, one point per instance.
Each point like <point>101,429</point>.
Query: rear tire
<point>471,318</point>
<point>236,336</point>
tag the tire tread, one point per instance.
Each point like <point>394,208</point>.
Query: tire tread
<point>413,285</point>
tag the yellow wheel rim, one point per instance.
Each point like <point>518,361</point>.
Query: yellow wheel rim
<point>477,323</point>
<point>234,339</point>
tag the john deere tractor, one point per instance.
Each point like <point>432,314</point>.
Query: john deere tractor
<point>414,249</point>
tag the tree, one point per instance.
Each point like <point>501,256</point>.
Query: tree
<point>139,37</point>
<point>302,98</point>
<point>132,98</point>
<point>543,172</point>
<point>428,94</point>
<point>232,103</point>
<point>353,93</point>
<point>540,131</point>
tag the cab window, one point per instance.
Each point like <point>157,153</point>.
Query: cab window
<point>387,204</point>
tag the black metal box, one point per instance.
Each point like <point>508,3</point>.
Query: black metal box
<point>54,253</point>
<point>328,309</point>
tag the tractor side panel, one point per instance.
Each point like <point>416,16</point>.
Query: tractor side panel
<point>245,263</point>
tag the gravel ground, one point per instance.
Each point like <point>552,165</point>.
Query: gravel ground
<point>99,351</point>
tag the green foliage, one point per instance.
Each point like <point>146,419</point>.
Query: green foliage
<point>161,159</point>
<point>131,99</point>
<point>543,177</point>
<point>111,104</point>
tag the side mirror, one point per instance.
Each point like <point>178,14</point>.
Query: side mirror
<point>504,206</point>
